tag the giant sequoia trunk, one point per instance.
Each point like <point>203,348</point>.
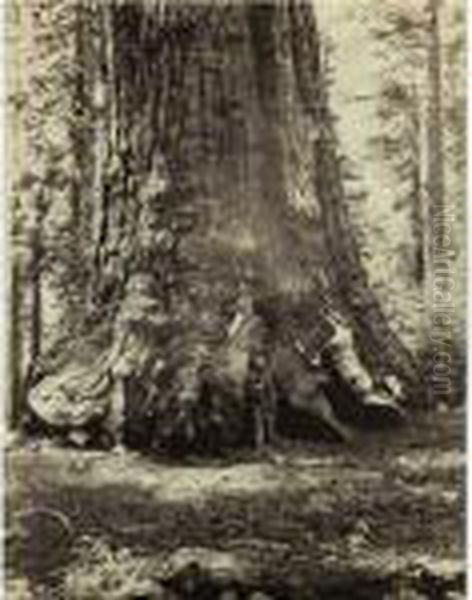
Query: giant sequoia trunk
<point>220,204</point>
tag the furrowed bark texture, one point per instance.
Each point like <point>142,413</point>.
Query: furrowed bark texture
<point>219,188</point>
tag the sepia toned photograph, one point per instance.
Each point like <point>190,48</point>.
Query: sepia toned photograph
<point>236,278</point>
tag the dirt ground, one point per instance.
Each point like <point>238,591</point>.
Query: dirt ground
<point>339,521</point>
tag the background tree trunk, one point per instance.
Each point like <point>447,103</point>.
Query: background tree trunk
<point>17,400</point>
<point>36,267</point>
<point>435,185</point>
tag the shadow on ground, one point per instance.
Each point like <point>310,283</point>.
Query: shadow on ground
<point>297,522</point>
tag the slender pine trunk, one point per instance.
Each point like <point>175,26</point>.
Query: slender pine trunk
<point>435,186</point>
<point>36,322</point>
<point>17,400</point>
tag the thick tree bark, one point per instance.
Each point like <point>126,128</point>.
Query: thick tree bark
<point>265,104</point>
<point>226,192</point>
<point>377,344</point>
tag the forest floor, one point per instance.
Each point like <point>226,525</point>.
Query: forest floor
<point>381,518</point>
